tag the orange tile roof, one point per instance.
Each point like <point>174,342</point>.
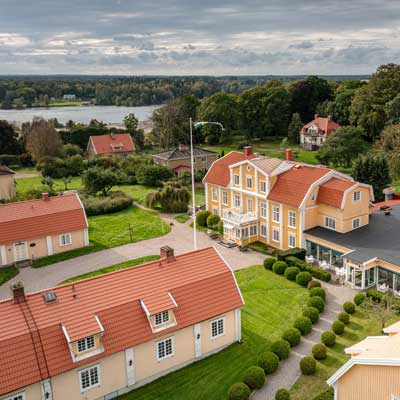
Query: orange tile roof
<point>326,125</point>
<point>4,170</point>
<point>331,192</point>
<point>292,186</point>
<point>32,219</point>
<point>219,173</point>
<point>104,144</point>
<point>200,282</point>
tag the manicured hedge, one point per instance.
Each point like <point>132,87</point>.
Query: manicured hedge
<point>254,377</point>
<point>279,267</point>
<point>295,252</point>
<point>359,298</point>
<point>291,273</point>
<point>328,338</point>
<point>269,262</point>
<point>313,284</point>
<point>282,394</point>
<point>338,327</point>
<point>316,302</point>
<point>212,221</point>
<point>239,391</point>
<point>281,348</point>
<point>201,218</point>
<point>269,362</point>
<point>98,205</point>
<point>318,291</point>
<point>344,317</point>
<point>319,351</point>
<point>292,336</point>
<point>312,313</point>
<point>349,307</point>
<point>303,278</point>
<point>303,324</point>
<point>308,365</point>
<point>292,261</point>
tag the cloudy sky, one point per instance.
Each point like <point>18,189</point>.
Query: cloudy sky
<point>210,37</point>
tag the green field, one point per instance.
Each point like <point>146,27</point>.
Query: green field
<point>65,103</point>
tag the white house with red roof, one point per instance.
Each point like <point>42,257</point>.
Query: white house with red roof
<point>38,228</point>
<point>114,144</point>
<point>104,336</point>
<point>316,132</point>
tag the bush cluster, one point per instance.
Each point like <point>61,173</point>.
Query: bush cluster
<point>212,221</point>
<point>312,313</point>
<point>303,278</point>
<point>328,338</point>
<point>338,327</point>
<point>269,262</point>
<point>318,291</point>
<point>254,377</point>
<point>313,284</point>
<point>279,267</point>
<point>316,302</point>
<point>292,336</point>
<point>314,271</point>
<point>359,299</point>
<point>344,317</point>
<point>308,365</point>
<point>117,201</point>
<point>303,324</point>
<point>269,362</point>
<point>281,348</point>
<point>295,252</point>
<point>239,391</point>
<point>291,273</point>
<point>349,307</point>
<point>319,351</point>
<point>282,394</point>
<point>201,218</point>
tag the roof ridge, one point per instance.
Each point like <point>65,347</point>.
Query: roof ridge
<point>37,200</point>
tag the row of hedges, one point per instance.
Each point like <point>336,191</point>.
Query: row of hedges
<point>205,219</point>
<point>303,266</point>
<point>117,201</point>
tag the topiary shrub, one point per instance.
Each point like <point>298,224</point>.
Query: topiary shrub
<point>313,284</point>
<point>291,273</point>
<point>292,261</point>
<point>220,227</point>
<point>319,351</point>
<point>269,362</point>
<point>281,348</point>
<point>303,278</point>
<point>319,292</point>
<point>282,394</point>
<point>254,377</point>
<point>344,317</point>
<point>328,338</point>
<point>269,262</point>
<point>308,365</point>
<point>239,391</point>
<point>349,307</point>
<point>279,267</point>
<point>338,327</point>
<point>212,221</point>
<point>295,252</point>
<point>303,324</point>
<point>312,313</point>
<point>292,336</point>
<point>201,218</point>
<point>375,295</point>
<point>316,302</point>
<point>359,298</point>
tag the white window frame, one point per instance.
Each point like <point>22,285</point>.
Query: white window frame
<point>245,232</point>
<point>327,223</point>
<point>86,344</point>
<point>203,159</point>
<point>291,236</point>
<point>263,185</point>
<point>214,194</point>
<point>249,179</point>
<point>357,196</point>
<point>263,209</point>
<point>238,233</point>
<point>17,396</point>
<point>275,213</point>
<point>358,220</point>
<point>91,385</point>
<point>236,180</point>
<point>275,230</point>
<point>171,338</point>
<point>225,198</point>
<point>254,229</point>
<point>237,200</point>
<point>217,322</point>
<point>64,242</point>
<point>215,211</point>
<point>250,205</point>
<point>161,318</point>
<point>292,219</point>
<point>263,227</point>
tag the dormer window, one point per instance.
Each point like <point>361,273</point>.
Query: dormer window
<point>86,344</point>
<point>161,318</point>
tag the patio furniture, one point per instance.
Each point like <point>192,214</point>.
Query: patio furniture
<point>396,293</point>
<point>383,288</point>
<point>227,243</point>
<point>324,265</point>
<point>243,248</point>
<point>310,259</point>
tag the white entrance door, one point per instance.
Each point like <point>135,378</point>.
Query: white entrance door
<point>20,251</point>
<point>130,366</point>
<point>197,340</point>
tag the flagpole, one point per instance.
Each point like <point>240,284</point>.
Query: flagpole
<point>193,193</point>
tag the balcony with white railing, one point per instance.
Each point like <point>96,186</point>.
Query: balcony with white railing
<point>239,218</point>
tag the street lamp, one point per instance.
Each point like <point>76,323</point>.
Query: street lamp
<point>197,125</point>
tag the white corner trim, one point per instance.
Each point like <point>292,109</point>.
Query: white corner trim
<point>49,242</point>
<point>172,299</point>
<point>145,309</point>
<point>346,192</point>
<point>3,254</point>
<point>83,209</point>
<point>99,323</point>
<point>238,325</point>
<point>64,329</point>
<point>323,179</point>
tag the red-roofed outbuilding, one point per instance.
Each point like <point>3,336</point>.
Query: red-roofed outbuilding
<point>115,144</point>
<point>316,132</point>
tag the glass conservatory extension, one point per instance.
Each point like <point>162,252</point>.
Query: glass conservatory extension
<point>322,253</point>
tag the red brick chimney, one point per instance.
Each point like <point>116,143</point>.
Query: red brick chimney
<point>18,292</point>
<point>289,155</point>
<point>248,150</point>
<point>167,253</point>
<point>45,196</point>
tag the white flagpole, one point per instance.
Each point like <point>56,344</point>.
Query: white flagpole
<point>193,193</point>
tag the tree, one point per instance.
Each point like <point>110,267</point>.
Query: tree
<point>392,110</point>
<point>294,128</point>
<point>339,149</point>
<point>8,139</point>
<point>152,175</point>
<point>389,144</point>
<point>102,180</point>
<point>131,124</point>
<point>43,140</point>
<point>373,169</point>
<point>171,198</point>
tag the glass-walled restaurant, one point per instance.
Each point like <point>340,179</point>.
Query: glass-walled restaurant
<point>323,253</point>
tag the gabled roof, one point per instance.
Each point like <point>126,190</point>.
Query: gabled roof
<point>6,171</point>
<point>331,192</point>
<point>219,173</point>
<point>325,125</point>
<point>32,219</point>
<point>292,186</point>
<point>179,154</point>
<point>112,144</point>
<point>200,282</point>
<point>267,164</point>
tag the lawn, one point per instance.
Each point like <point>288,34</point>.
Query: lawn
<point>7,273</point>
<point>35,182</point>
<point>65,103</point>
<point>272,304</point>
<point>182,218</point>
<point>110,230</point>
<point>112,268</point>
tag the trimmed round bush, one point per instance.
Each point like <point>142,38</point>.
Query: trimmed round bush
<point>303,324</point>
<point>279,267</point>
<point>303,278</point>
<point>349,307</point>
<point>201,218</point>
<point>319,351</point>
<point>292,335</point>
<point>269,262</point>
<point>359,298</point>
<point>313,283</point>
<point>254,377</point>
<point>212,221</point>
<point>338,327</point>
<point>318,292</point>
<point>344,317</point>
<point>312,313</point>
<point>282,394</point>
<point>220,227</point>
<point>291,273</point>
<point>328,338</point>
<point>316,302</point>
<point>269,362</point>
<point>239,391</point>
<point>308,365</point>
<point>281,348</point>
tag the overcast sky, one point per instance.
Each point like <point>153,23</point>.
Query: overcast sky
<point>179,37</point>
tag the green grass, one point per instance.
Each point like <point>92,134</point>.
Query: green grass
<point>65,103</point>
<point>110,230</point>
<point>112,268</point>
<point>182,218</point>
<point>272,304</point>
<point>258,246</point>
<point>7,273</point>
<point>26,184</point>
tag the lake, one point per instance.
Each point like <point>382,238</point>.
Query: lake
<point>83,114</point>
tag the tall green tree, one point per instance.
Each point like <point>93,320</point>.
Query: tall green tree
<point>373,169</point>
<point>392,110</point>
<point>389,144</point>
<point>131,124</point>
<point>101,180</point>
<point>8,139</point>
<point>294,128</point>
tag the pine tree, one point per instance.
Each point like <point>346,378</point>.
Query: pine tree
<point>294,128</point>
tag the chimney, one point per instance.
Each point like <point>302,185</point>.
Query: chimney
<point>247,150</point>
<point>316,116</point>
<point>330,117</point>
<point>113,136</point>
<point>183,147</point>
<point>167,253</point>
<point>18,292</point>
<point>289,155</point>
<point>45,196</point>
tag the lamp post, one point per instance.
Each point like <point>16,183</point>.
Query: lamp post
<point>197,125</point>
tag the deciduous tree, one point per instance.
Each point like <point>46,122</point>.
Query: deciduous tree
<point>8,139</point>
